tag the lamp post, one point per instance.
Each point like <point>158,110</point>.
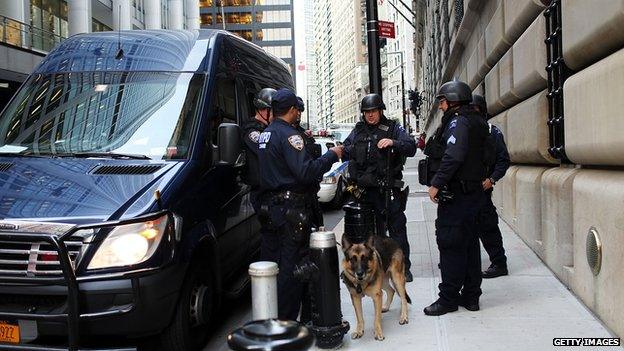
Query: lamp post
<point>402,84</point>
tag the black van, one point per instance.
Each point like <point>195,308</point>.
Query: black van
<point>123,210</point>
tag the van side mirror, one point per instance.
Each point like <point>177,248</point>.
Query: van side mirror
<point>229,151</point>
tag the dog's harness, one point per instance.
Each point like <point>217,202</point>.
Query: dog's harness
<point>358,287</point>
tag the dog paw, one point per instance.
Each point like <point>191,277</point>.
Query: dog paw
<point>385,309</point>
<point>379,337</point>
<point>403,321</point>
<point>357,334</point>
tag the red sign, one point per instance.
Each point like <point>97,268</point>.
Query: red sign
<point>386,29</point>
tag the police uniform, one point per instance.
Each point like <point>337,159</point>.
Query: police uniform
<point>287,171</point>
<point>368,167</point>
<point>251,134</point>
<point>489,232</point>
<point>461,171</point>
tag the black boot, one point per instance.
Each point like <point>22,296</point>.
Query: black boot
<point>438,309</point>
<point>470,305</point>
<point>495,271</point>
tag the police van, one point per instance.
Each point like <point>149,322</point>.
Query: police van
<point>123,211</point>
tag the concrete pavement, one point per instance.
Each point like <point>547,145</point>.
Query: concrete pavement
<point>522,311</point>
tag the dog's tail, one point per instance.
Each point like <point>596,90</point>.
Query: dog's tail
<point>409,300</point>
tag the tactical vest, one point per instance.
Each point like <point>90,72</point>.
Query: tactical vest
<point>474,167</point>
<point>368,165</point>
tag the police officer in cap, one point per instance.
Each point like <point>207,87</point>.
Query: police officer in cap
<point>251,132</point>
<point>287,172</point>
<point>377,148</point>
<point>489,233</point>
<point>461,171</point>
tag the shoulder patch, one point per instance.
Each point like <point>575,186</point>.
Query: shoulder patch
<point>254,136</point>
<point>264,137</point>
<point>296,141</point>
<point>451,140</point>
<point>383,127</point>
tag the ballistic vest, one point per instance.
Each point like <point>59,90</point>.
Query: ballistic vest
<point>368,165</point>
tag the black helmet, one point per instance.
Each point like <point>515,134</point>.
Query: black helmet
<point>479,101</point>
<point>455,91</point>
<point>372,102</point>
<point>263,98</point>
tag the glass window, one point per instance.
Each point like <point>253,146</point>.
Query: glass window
<point>271,34</point>
<point>283,52</point>
<point>49,19</point>
<point>273,17</point>
<point>142,113</point>
<point>97,26</point>
<point>223,106</point>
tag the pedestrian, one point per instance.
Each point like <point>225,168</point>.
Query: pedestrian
<point>422,141</point>
<point>458,190</point>
<point>287,172</point>
<point>489,233</point>
<point>251,134</point>
<point>377,148</point>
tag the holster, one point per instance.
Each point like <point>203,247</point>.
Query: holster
<point>299,219</point>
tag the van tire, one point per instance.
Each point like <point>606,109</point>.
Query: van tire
<point>197,290</point>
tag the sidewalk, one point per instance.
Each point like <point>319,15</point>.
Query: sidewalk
<point>522,311</point>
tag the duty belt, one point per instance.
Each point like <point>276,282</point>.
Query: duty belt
<point>281,197</point>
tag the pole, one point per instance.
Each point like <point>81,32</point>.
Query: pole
<point>374,62</point>
<point>263,289</point>
<point>403,91</point>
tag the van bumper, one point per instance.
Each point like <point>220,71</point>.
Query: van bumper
<point>130,307</point>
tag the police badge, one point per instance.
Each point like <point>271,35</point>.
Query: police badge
<point>296,141</point>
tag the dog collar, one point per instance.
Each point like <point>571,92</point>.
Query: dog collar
<point>358,287</point>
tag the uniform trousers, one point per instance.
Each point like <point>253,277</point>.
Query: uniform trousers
<point>458,243</point>
<point>490,234</point>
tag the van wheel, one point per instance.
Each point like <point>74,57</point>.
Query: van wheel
<point>194,313</point>
<point>337,201</point>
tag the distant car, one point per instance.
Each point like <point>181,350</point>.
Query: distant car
<point>340,131</point>
<point>334,181</point>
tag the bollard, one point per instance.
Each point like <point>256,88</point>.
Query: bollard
<point>359,221</point>
<point>271,335</point>
<point>321,272</point>
<point>263,289</point>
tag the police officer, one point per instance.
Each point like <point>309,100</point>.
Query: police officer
<point>377,148</point>
<point>461,171</point>
<point>287,171</point>
<point>251,132</point>
<point>489,232</point>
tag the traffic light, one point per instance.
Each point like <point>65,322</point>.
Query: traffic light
<point>415,101</point>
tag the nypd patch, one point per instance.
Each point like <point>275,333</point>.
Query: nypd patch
<point>296,141</point>
<point>254,136</point>
<point>453,124</point>
<point>451,140</point>
<point>384,127</point>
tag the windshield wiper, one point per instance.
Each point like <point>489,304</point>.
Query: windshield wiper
<point>19,154</point>
<point>113,155</point>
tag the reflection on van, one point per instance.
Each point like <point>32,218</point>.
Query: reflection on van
<point>123,211</point>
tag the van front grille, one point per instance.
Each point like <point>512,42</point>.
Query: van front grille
<point>35,259</point>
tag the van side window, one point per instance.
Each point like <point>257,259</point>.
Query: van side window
<point>248,91</point>
<point>223,109</point>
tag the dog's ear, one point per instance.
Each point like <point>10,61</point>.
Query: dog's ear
<point>346,244</point>
<point>370,242</point>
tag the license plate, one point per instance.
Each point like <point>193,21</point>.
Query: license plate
<point>9,332</point>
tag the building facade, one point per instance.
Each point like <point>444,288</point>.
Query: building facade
<point>552,74</point>
<point>312,103</point>
<point>324,67</point>
<point>267,23</point>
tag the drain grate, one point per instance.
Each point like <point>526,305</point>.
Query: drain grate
<point>594,250</point>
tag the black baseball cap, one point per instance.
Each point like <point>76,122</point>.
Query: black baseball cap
<point>300,104</point>
<point>284,99</point>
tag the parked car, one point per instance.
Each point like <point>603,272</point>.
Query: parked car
<point>123,212</point>
<point>334,182</point>
<point>340,131</point>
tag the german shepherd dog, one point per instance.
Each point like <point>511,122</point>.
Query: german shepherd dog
<point>367,269</point>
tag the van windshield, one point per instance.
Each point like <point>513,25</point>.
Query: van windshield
<point>141,114</point>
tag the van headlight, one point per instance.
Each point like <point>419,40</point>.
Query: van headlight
<point>130,244</point>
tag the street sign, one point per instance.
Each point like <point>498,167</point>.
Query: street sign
<point>386,29</point>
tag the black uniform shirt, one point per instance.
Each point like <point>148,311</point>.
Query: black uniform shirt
<point>251,133</point>
<point>284,163</point>
<point>455,136</point>
<point>502,156</point>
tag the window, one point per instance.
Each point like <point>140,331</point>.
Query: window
<point>223,106</point>
<point>273,16</point>
<point>272,34</point>
<point>97,26</point>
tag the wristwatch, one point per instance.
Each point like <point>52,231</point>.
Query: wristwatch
<point>492,181</point>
